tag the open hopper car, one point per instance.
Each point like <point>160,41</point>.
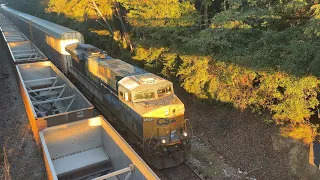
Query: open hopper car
<point>91,149</point>
<point>21,49</point>
<point>49,97</point>
<point>25,51</point>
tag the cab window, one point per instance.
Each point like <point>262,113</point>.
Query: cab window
<point>164,91</point>
<point>121,94</point>
<point>144,95</point>
<point>125,96</point>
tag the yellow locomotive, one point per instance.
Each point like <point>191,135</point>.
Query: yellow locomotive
<point>143,102</point>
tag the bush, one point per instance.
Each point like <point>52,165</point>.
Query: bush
<point>194,74</point>
<point>291,100</point>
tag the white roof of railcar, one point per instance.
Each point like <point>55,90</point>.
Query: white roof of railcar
<point>122,68</point>
<point>134,81</point>
<point>20,14</point>
<point>51,28</point>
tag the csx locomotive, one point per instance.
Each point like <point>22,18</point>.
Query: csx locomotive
<point>143,102</point>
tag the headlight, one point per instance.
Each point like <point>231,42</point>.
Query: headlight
<point>163,141</point>
<point>185,134</point>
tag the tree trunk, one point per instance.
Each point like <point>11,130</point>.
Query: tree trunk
<point>225,5</point>
<point>126,36</point>
<point>103,18</point>
<point>205,14</point>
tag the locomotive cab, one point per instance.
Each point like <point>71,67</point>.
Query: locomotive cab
<point>165,133</point>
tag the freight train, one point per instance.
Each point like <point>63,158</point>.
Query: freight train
<point>144,103</point>
<point>75,144</point>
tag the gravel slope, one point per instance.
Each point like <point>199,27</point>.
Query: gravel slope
<point>235,142</point>
<point>17,145</point>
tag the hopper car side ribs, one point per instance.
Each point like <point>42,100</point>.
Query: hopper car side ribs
<point>53,100</point>
<point>43,79</point>
<point>59,96</point>
<point>121,171</point>
<point>67,109</point>
<point>26,50</point>
<point>15,38</point>
<point>45,89</point>
<point>46,94</point>
<point>29,89</point>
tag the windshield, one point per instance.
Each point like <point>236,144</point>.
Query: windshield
<point>164,91</point>
<point>144,95</point>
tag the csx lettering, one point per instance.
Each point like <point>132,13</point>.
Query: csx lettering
<point>163,122</point>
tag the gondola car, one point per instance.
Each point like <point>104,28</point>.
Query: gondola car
<point>143,102</point>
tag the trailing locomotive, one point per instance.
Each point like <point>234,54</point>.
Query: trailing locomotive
<point>143,102</point>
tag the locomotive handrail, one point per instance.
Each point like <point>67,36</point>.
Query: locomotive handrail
<point>108,89</point>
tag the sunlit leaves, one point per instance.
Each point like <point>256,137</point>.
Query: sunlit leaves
<point>194,73</point>
<point>291,100</point>
<point>299,98</point>
<point>158,13</point>
<point>80,9</point>
<point>305,132</point>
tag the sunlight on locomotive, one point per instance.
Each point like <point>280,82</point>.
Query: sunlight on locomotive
<point>64,43</point>
<point>94,121</point>
<point>60,45</point>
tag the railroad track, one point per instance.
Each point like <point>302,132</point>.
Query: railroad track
<point>181,172</point>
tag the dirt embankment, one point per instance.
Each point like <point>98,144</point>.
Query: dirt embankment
<point>19,156</point>
<point>230,144</point>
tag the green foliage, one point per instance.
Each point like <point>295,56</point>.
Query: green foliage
<point>158,13</point>
<point>299,97</point>
<point>172,63</point>
<point>194,74</point>
<point>80,9</point>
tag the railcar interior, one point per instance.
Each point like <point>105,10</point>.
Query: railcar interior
<point>14,36</point>
<point>4,21</point>
<point>49,91</point>
<point>21,49</point>
<point>25,51</point>
<point>91,149</point>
